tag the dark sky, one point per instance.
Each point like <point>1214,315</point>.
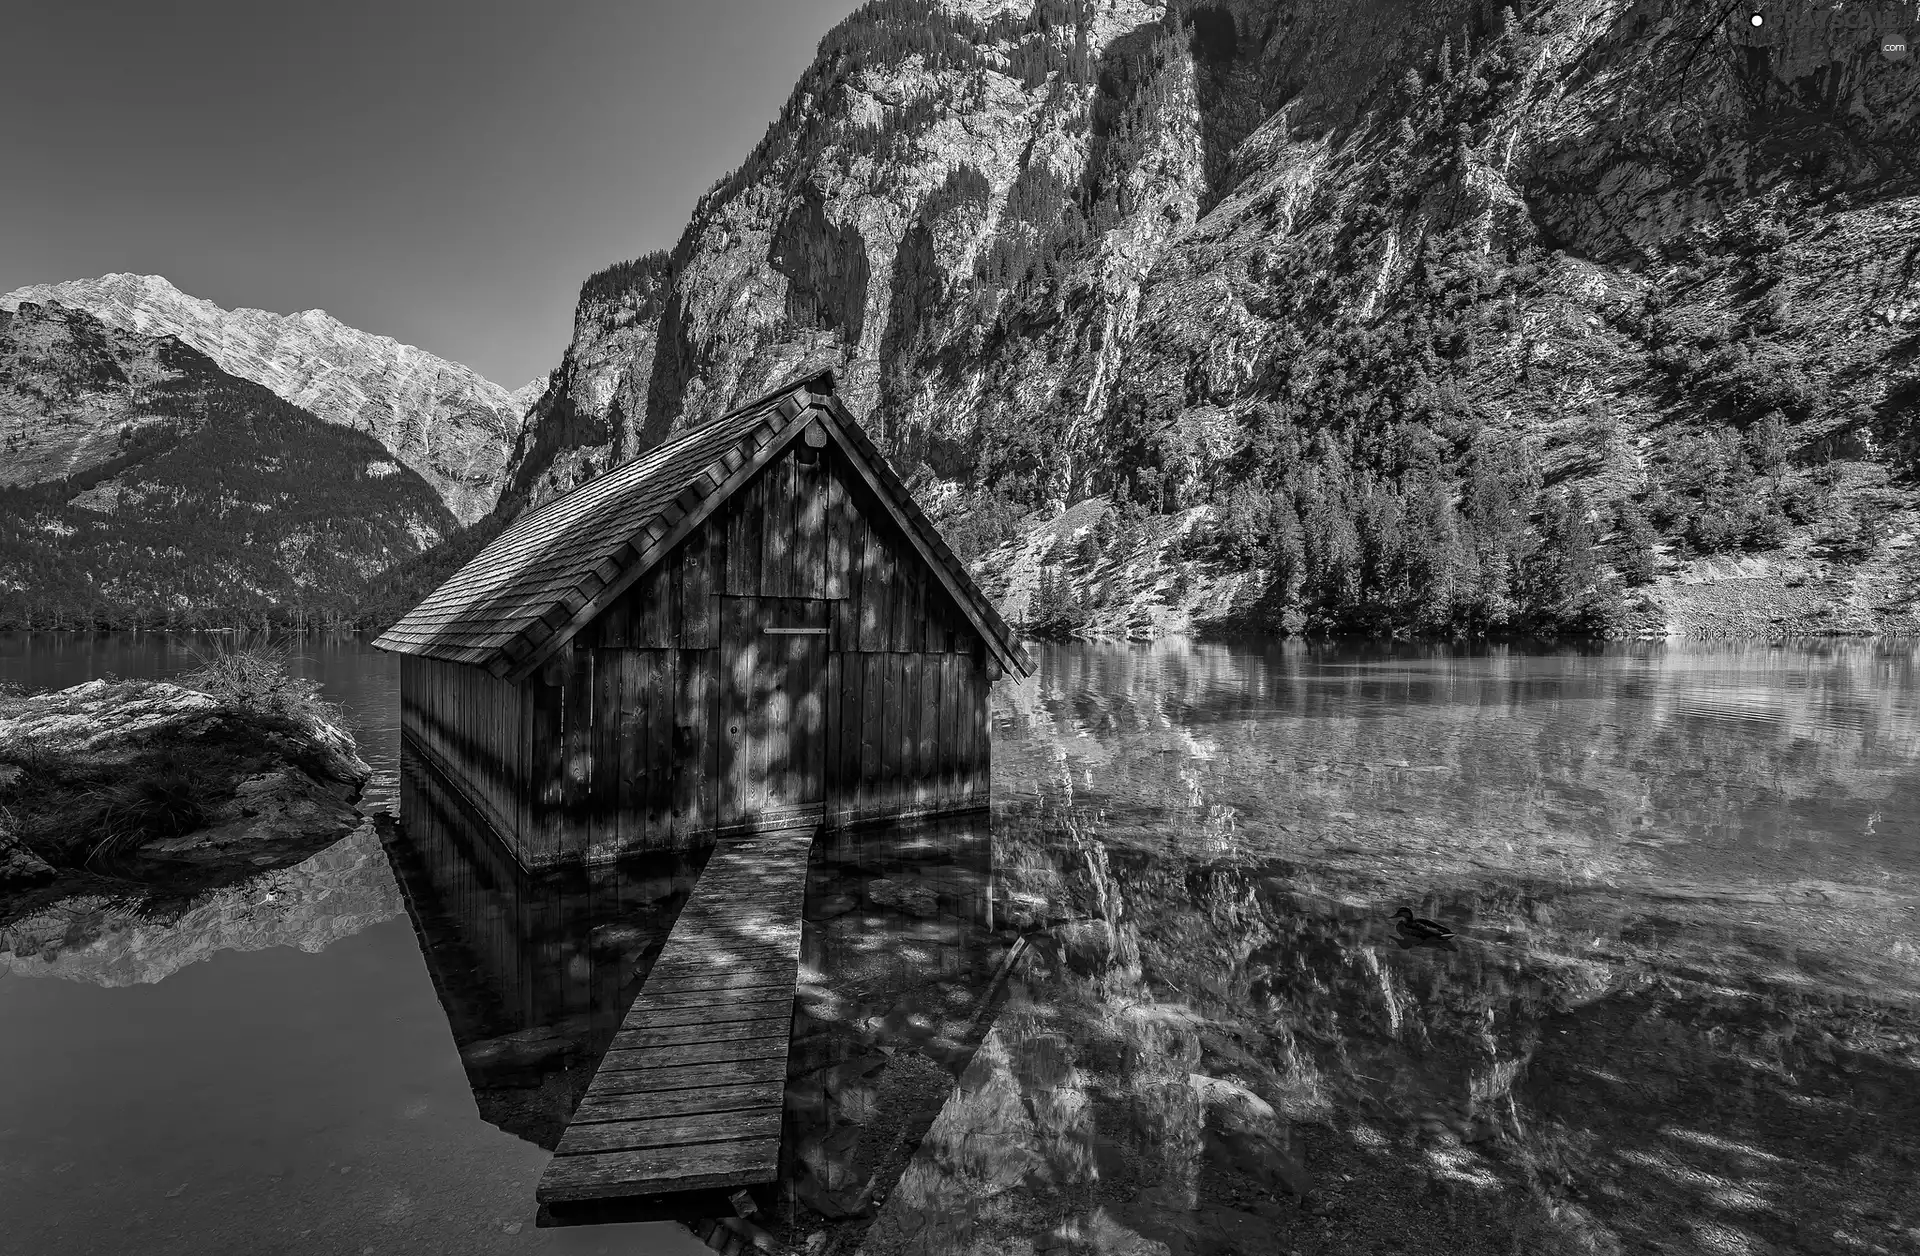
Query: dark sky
<point>445,172</point>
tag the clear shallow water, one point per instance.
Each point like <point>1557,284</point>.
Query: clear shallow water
<point>1680,1014</point>
<point>1139,1010</point>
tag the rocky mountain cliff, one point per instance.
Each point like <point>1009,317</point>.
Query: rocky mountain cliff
<point>142,485</point>
<point>70,390</point>
<point>1375,318</point>
<point>437,418</point>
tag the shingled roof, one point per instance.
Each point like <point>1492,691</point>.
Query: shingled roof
<point>555,568</point>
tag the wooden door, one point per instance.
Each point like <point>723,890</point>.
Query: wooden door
<point>773,715</point>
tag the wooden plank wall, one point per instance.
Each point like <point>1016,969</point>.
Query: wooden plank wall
<point>633,753</point>
<point>629,737</point>
<point>908,718</point>
<point>625,730</point>
<point>910,737</point>
<point>473,727</point>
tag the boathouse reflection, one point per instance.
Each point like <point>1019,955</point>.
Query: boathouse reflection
<point>536,970</point>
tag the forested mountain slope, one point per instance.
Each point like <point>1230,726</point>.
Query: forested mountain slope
<point>142,485</point>
<point>1359,317</point>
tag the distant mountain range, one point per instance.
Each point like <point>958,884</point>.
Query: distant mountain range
<point>164,461</point>
<point>437,418</point>
<point>140,484</point>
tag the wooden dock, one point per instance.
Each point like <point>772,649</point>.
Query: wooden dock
<point>688,1098</point>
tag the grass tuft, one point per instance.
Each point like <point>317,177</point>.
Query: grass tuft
<point>253,675</point>
<point>162,803</point>
<point>89,810</point>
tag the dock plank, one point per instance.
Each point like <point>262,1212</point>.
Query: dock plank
<point>699,1009</point>
<point>704,1030</point>
<point>685,977</point>
<point>689,1130</point>
<point>767,961</point>
<point>689,1096</point>
<point>756,984</point>
<point>658,1004</point>
<point>725,1050</point>
<point>642,1107</point>
<point>688,1076</point>
<point>657,1170</point>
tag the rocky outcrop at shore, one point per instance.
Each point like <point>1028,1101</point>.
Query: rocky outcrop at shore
<point>117,787</point>
<point>101,715</point>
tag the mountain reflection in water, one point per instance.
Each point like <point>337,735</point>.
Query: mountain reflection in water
<point>1158,1002</point>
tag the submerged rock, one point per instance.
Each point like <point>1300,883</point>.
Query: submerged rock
<point>1245,1135</point>
<point>18,865</point>
<point>904,895</point>
<point>519,1058</point>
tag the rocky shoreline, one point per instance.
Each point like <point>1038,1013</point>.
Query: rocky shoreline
<point>145,793</point>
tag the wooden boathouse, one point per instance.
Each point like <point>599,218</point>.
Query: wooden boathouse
<point>750,627</point>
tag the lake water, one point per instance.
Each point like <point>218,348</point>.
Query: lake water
<point>1142,1007</point>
